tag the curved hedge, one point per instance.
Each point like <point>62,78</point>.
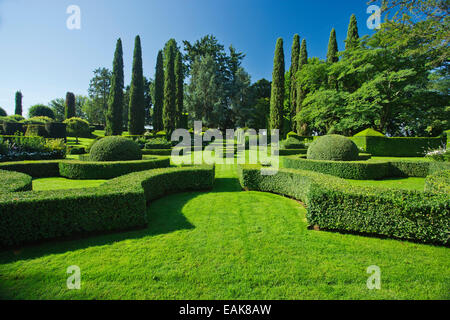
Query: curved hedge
<point>342,169</point>
<point>363,170</point>
<point>83,170</point>
<point>157,152</point>
<point>333,204</point>
<point>438,182</point>
<point>119,204</point>
<point>14,181</point>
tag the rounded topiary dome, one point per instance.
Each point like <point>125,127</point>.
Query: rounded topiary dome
<point>333,147</point>
<point>115,149</point>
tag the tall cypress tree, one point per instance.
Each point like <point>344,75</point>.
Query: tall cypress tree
<point>302,61</point>
<point>136,114</point>
<point>114,120</point>
<point>332,56</point>
<point>295,52</point>
<point>169,109</point>
<point>69,111</point>
<point>352,34</point>
<point>18,103</point>
<point>277,93</point>
<point>159,93</point>
<point>179,80</point>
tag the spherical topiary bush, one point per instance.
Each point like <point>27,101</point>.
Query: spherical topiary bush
<point>333,147</point>
<point>115,149</point>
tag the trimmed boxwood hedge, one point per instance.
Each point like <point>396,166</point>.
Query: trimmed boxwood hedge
<point>438,182</point>
<point>83,170</point>
<point>157,152</point>
<point>343,169</point>
<point>290,152</point>
<point>397,146</point>
<point>361,170</point>
<point>119,204</point>
<point>14,181</point>
<point>36,169</point>
<point>334,204</point>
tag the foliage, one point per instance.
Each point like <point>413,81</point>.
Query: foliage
<point>70,106</point>
<point>441,154</point>
<point>291,143</point>
<point>18,101</point>
<point>115,148</point>
<point>332,52</point>
<point>3,112</point>
<point>77,127</point>
<point>82,170</point>
<point>14,182</point>
<point>169,116</point>
<point>114,121</point>
<point>99,89</point>
<point>158,143</point>
<point>37,120</point>
<point>301,91</point>
<point>20,148</point>
<point>369,132</point>
<point>438,182</point>
<point>58,106</point>
<point>136,114</point>
<point>118,204</point>
<point>158,94</point>
<point>277,94</point>
<point>295,55</point>
<point>352,40</point>
<point>333,147</point>
<point>40,110</point>
<point>334,204</point>
<point>179,89</point>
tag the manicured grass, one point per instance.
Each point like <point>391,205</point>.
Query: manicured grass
<point>226,244</point>
<point>63,183</point>
<point>410,183</point>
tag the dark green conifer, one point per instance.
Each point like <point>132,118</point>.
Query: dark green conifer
<point>277,93</point>
<point>114,120</point>
<point>136,114</point>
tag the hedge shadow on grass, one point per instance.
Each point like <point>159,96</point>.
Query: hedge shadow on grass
<point>160,223</point>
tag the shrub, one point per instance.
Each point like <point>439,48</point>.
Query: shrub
<point>76,150</point>
<point>115,149</point>
<point>11,128</point>
<point>333,147</point>
<point>290,152</point>
<point>37,120</point>
<point>397,146</point>
<point>107,170</point>
<point>36,130</point>
<point>77,127</point>
<point>333,204</point>
<point>14,181</point>
<point>341,169</point>
<point>56,130</point>
<point>158,143</point>
<point>36,169</point>
<point>3,112</point>
<point>438,182</point>
<point>291,143</point>
<point>157,152</point>
<point>40,110</point>
<point>118,204</point>
<point>15,118</point>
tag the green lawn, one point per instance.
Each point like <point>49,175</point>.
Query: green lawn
<point>410,183</point>
<point>63,183</point>
<point>226,244</point>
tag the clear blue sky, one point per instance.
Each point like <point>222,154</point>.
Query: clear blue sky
<point>44,59</point>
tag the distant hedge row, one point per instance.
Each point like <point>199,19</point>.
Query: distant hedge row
<point>14,181</point>
<point>397,146</point>
<point>53,130</point>
<point>119,204</point>
<point>359,170</point>
<point>83,170</point>
<point>333,204</point>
